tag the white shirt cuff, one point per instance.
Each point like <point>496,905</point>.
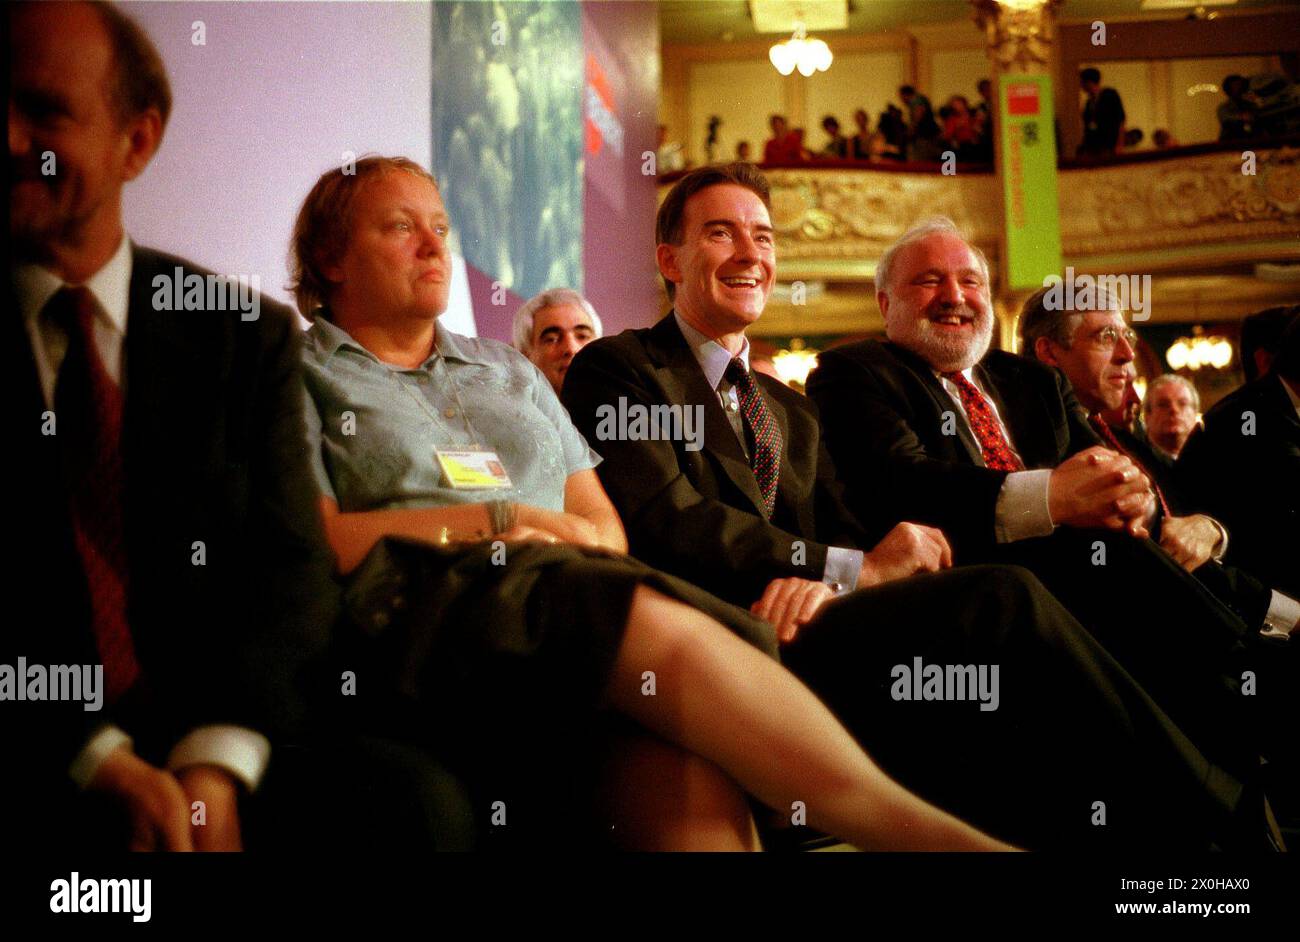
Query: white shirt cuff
<point>240,751</point>
<point>1283,615</point>
<point>1022,510</point>
<point>95,751</point>
<point>843,567</point>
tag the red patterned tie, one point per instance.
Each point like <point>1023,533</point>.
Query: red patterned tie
<point>993,444</point>
<point>1105,432</point>
<point>88,417</point>
<point>766,460</point>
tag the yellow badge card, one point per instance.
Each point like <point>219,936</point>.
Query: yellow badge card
<point>473,469</point>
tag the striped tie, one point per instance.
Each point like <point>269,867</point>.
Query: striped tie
<point>766,457</point>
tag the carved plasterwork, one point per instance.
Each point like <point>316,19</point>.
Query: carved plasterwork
<point>1181,202</point>
<point>1019,35</point>
<point>856,214</point>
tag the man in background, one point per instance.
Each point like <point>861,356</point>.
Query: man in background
<point>552,327</point>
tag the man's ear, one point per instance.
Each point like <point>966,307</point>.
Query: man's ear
<point>1045,351</point>
<point>666,257</point>
<point>883,300</point>
<point>143,135</point>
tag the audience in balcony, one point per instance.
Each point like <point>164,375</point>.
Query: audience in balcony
<point>1103,117</point>
<point>669,155</point>
<point>1237,114</point>
<point>860,142</point>
<point>892,125</point>
<point>924,136</point>
<point>838,145</point>
<point>1163,139</point>
<point>785,145</point>
<point>960,130</point>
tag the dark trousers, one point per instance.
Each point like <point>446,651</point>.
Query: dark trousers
<point>1178,640</point>
<point>1074,740</point>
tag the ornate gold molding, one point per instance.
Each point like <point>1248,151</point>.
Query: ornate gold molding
<point>1180,202</point>
<point>853,215</point>
<point>1019,34</point>
<point>1175,214</point>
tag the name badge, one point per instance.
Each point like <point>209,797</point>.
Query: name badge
<point>473,469</point>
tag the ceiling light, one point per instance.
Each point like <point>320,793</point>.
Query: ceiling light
<point>800,52</point>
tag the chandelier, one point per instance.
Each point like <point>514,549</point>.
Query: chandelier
<point>794,363</point>
<point>1199,350</point>
<point>800,52</point>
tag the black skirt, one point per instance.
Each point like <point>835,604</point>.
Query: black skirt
<point>497,660</point>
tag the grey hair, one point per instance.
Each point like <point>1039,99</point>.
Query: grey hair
<point>552,297</point>
<point>1164,379</point>
<point>1039,319</point>
<point>925,227</point>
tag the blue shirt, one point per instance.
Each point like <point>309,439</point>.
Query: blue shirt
<point>373,427</point>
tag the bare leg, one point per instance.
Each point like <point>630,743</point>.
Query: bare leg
<point>658,797</point>
<point>718,697</point>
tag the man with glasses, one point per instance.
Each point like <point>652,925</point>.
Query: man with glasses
<point>996,451</point>
<point>1095,350</point>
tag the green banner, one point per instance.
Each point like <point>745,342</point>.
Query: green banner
<point>1033,218</point>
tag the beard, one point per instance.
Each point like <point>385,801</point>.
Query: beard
<point>915,331</point>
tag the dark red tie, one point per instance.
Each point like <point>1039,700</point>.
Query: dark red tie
<point>766,459</point>
<point>1105,432</point>
<point>993,444</point>
<point>88,423</point>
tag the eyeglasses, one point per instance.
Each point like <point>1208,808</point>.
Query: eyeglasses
<point>1108,337</point>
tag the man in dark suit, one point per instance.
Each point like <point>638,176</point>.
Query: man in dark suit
<point>1244,466</point>
<point>740,497</point>
<point>1103,117</point>
<point>1094,349</point>
<point>996,450</point>
<point>166,526</point>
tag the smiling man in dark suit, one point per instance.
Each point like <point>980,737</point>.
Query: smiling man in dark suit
<point>162,504</point>
<point>752,512</point>
<point>995,449</point>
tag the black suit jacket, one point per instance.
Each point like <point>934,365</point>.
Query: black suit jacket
<point>214,452</point>
<point>1251,482</point>
<point>898,438</point>
<point>699,514</point>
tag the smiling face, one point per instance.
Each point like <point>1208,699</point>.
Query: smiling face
<point>937,303</point>
<point>1099,360</point>
<point>60,69</point>
<point>1171,416</point>
<point>558,334</point>
<point>396,265</point>
<point>726,265</point>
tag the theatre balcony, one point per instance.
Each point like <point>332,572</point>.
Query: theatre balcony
<point>1217,241</point>
<point>1174,169</point>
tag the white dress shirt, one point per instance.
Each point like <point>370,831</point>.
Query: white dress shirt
<point>242,752</point>
<point>843,565</point>
<point>1022,510</point>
